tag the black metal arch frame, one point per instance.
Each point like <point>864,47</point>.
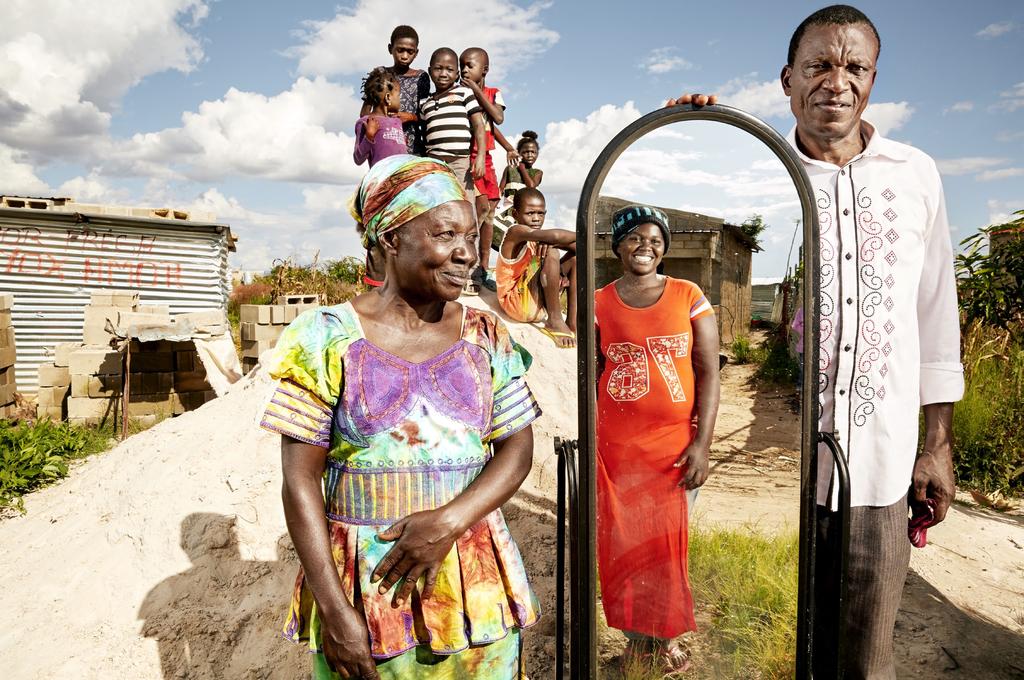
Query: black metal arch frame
<point>582,519</point>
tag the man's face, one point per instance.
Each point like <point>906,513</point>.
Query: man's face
<point>830,80</point>
<point>444,69</point>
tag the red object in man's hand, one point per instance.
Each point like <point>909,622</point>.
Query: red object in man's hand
<point>922,516</point>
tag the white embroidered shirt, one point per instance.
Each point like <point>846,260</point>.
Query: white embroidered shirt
<point>889,326</point>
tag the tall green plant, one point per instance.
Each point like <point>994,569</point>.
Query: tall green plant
<point>990,280</point>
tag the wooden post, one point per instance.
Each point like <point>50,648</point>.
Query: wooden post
<point>126,388</point>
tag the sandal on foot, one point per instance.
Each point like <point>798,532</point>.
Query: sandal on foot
<point>555,335</point>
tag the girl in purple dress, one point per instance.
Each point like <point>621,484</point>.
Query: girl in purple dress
<point>379,134</point>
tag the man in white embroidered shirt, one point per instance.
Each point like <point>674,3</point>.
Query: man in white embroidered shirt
<point>889,328</point>
<point>890,335</point>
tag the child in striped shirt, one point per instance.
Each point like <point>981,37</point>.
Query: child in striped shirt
<point>452,119</point>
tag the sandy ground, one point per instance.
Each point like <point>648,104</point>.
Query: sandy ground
<point>167,557</point>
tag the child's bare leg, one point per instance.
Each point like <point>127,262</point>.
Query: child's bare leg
<point>568,270</point>
<point>485,212</point>
<point>550,277</point>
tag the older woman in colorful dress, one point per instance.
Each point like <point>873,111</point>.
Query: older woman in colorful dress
<point>406,416</point>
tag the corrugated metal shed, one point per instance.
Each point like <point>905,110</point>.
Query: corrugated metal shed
<point>52,260</point>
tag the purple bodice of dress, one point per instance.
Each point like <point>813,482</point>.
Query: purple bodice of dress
<point>381,389</point>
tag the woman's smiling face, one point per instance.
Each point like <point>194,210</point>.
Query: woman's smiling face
<point>642,249</point>
<point>434,253</point>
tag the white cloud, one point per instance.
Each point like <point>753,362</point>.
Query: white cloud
<point>967,165</point>
<point>1014,136</point>
<point>664,60</point>
<point>1012,99</point>
<point>1002,173</point>
<point>512,35</point>
<point>93,188</point>
<point>888,116</point>
<point>1000,212</point>
<point>761,98</point>
<point>571,146</point>
<point>960,107</point>
<point>65,65</point>
<point>17,178</point>
<point>996,29</point>
<point>292,136</point>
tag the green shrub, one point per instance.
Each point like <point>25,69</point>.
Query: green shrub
<point>743,350</point>
<point>35,454</point>
<point>777,365</point>
<point>988,423</point>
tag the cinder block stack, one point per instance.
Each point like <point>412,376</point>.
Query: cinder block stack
<point>55,384</point>
<point>8,353</point>
<point>262,324</point>
<point>165,378</point>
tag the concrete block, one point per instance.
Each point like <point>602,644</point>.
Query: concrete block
<point>94,328</point>
<point>54,413</point>
<point>8,355</point>
<point>150,383</point>
<point>95,410</point>
<point>127,318</point>
<point>7,375</point>
<point>254,348</point>
<point>152,362</point>
<point>7,394</point>
<point>62,353</point>
<point>6,337</point>
<point>248,364</point>
<point>155,346</point>
<point>190,382</point>
<point>277,314</point>
<point>150,404</point>
<point>290,312</point>
<point>5,319</point>
<point>298,299</point>
<point>6,302</point>
<point>51,376</point>
<point>252,331</point>
<point>114,298</point>
<point>95,386</point>
<point>254,314</point>
<point>205,318</point>
<point>164,310</point>
<point>48,397</point>
<point>186,361</point>
<point>95,361</point>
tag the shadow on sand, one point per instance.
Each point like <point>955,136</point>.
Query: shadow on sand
<point>219,618</point>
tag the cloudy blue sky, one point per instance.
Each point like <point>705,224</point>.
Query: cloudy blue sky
<point>245,109</point>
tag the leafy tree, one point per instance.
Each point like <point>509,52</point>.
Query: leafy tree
<point>991,282</point>
<point>753,226</point>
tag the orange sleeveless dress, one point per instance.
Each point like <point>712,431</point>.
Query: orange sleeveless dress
<point>644,405</point>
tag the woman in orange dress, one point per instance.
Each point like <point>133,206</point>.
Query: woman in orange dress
<point>654,430</point>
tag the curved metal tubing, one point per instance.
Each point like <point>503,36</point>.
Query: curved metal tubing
<point>583,638</point>
<point>843,480</point>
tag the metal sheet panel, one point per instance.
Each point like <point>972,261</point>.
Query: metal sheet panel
<point>53,261</point>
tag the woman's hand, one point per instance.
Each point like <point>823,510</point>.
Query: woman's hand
<point>346,645</point>
<point>406,117</point>
<point>422,541</point>
<point>695,458</point>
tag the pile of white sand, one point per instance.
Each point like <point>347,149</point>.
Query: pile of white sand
<point>168,557</point>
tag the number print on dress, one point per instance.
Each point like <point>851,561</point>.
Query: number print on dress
<point>663,347</point>
<point>630,379</point>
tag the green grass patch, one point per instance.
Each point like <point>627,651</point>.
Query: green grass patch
<point>744,351</point>
<point>749,582</point>
<point>36,454</point>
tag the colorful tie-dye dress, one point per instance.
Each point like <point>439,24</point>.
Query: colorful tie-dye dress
<point>405,437</point>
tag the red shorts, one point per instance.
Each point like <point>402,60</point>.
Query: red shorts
<point>488,184</point>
